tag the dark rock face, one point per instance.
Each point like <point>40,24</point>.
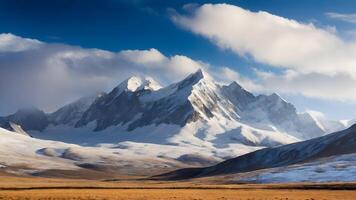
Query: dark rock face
<point>157,114</point>
<point>338,143</point>
<point>112,110</point>
<point>126,107</point>
<point>29,119</point>
<point>238,95</point>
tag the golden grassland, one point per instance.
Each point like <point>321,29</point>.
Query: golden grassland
<point>35,188</point>
<point>186,194</point>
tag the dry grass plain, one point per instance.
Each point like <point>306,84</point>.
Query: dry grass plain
<point>186,194</point>
<point>33,188</point>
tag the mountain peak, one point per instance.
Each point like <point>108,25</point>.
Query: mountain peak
<point>136,83</point>
<point>150,84</point>
<point>276,97</point>
<point>234,84</point>
<point>194,78</point>
<point>131,84</point>
<point>199,73</point>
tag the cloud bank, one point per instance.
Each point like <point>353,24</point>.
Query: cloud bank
<point>35,73</point>
<point>315,62</point>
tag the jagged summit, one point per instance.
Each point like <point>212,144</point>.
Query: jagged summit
<point>192,79</point>
<point>186,101</point>
<point>199,74</point>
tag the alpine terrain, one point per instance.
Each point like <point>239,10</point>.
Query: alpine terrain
<point>192,123</point>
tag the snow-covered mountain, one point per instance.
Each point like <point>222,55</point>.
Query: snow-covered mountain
<point>226,120</point>
<point>195,98</point>
<point>152,129</point>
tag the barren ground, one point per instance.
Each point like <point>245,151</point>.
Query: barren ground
<point>33,188</point>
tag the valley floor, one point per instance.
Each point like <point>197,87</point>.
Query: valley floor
<point>33,188</point>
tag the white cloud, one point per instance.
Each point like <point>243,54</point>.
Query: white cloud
<point>48,75</point>
<point>13,43</point>
<point>226,75</point>
<point>146,57</point>
<point>316,61</point>
<point>271,39</point>
<point>339,87</point>
<point>351,18</point>
<point>315,113</point>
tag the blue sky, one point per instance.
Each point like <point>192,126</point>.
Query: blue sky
<point>143,24</point>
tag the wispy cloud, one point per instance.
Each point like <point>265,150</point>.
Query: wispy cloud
<point>351,18</point>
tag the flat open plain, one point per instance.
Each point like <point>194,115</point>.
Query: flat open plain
<point>33,188</point>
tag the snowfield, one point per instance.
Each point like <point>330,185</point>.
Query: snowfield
<point>334,169</point>
<point>35,155</point>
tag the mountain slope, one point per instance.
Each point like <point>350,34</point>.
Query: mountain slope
<point>339,143</point>
<point>21,154</point>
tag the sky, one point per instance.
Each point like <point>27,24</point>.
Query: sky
<point>53,52</point>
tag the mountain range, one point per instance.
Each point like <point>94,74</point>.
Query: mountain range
<point>139,102</point>
<point>192,123</point>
